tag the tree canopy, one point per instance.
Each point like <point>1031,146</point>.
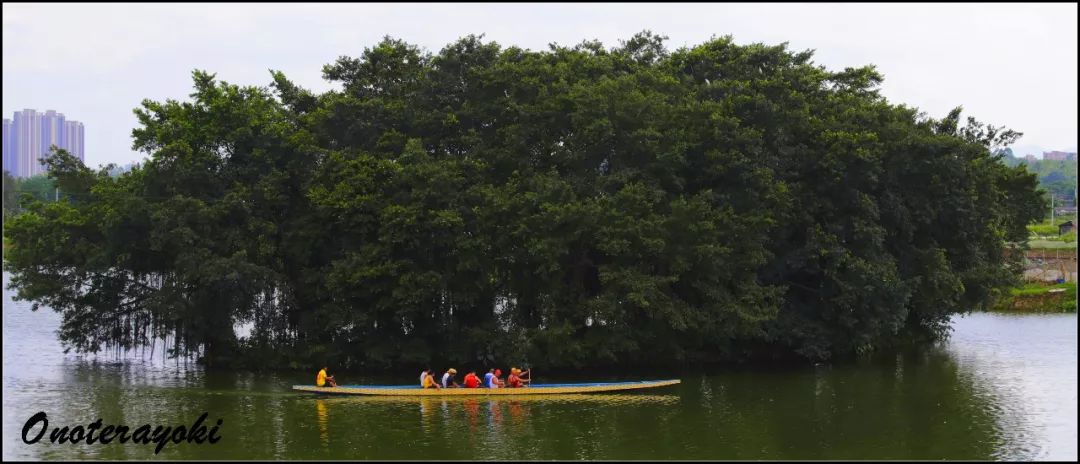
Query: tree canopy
<point>576,206</point>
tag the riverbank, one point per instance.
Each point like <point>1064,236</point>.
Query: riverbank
<point>1040,298</point>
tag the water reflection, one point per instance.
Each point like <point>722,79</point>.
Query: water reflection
<point>426,413</point>
<point>323,418</point>
<point>517,413</point>
<point>472,409</point>
<point>494,414</point>
<point>1027,375</point>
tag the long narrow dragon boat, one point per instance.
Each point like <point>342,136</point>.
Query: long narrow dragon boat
<point>537,389</point>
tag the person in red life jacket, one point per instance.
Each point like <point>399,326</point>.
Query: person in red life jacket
<point>514,381</point>
<point>496,382</point>
<point>471,380</point>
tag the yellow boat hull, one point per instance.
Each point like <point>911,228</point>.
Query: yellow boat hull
<point>552,389</point>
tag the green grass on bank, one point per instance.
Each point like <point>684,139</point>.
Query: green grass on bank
<point>1035,288</point>
<point>1044,235</point>
<point>1043,229</point>
<point>1048,229</point>
<point>1069,237</point>
<point>1052,245</point>
<point>1038,297</point>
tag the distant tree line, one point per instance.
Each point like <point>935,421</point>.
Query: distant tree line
<point>570,207</point>
<point>38,188</point>
<point>1055,176</point>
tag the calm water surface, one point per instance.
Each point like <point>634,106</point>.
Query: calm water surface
<point>1003,387</point>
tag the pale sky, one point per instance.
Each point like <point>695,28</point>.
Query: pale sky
<point>1006,64</point>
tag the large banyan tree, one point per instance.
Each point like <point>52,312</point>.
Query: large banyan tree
<point>569,207</point>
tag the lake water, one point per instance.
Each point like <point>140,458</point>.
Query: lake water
<point>1003,387</point>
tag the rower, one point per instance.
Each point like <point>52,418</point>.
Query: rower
<point>514,381</point>
<point>427,380</point>
<point>491,380</point>
<point>448,378</point>
<point>471,380</point>
<point>321,379</point>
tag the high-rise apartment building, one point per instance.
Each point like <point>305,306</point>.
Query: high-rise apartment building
<point>73,138</point>
<point>1059,156</point>
<point>30,135</point>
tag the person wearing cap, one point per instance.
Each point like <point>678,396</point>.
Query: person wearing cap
<point>448,379</point>
<point>514,381</point>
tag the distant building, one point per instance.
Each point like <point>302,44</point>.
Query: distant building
<point>1065,228</point>
<point>29,136</point>
<point>26,139</point>
<point>1031,158</point>
<point>52,133</point>
<point>1059,156</point>
<point>74,139</point>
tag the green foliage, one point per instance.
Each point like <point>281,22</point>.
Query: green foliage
<point>1056,177</point>
<point>1046,233</point>
<point>19,191</point>
<point>1037,297</point>
<point>1043,229</point>
<point>571,207</point>
<point>1053,244</point>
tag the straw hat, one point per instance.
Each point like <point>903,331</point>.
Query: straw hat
<point>452,371</point>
